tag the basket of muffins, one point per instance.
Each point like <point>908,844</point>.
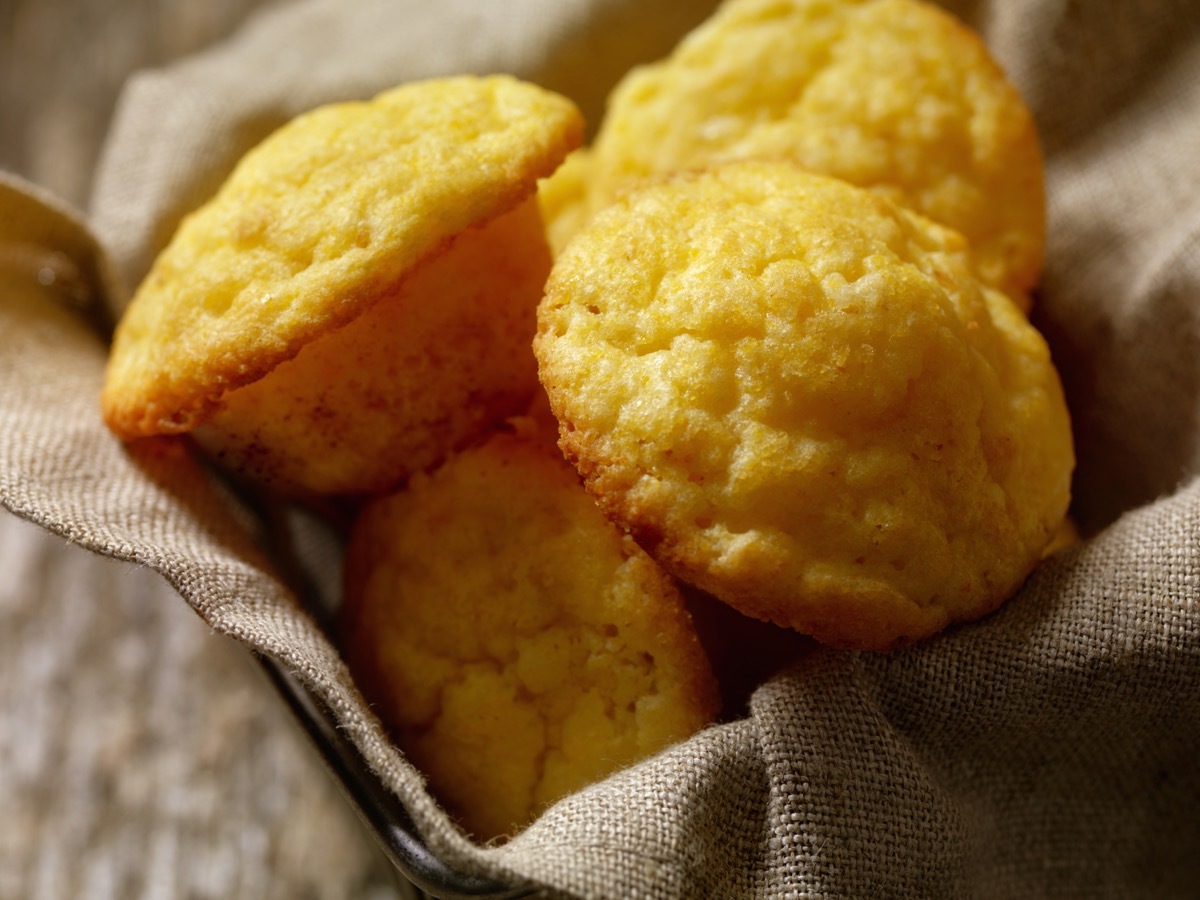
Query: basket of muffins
<point>610,432</point>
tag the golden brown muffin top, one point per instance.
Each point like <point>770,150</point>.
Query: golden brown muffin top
<point>895,95</point>
<point>798,397</point>
<point>316,224</point>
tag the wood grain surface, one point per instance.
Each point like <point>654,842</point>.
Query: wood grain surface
<point>141,755</point>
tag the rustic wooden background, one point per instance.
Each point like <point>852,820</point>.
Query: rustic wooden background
<point>141,755</point>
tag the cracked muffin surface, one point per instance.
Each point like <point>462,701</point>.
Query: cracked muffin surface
<point>315,225</point>
<point>518,645</point>
<point>428,368</point>
<point>894,95</point>
<point>797,396</point>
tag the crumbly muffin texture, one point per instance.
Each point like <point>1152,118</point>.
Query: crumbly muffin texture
<point>517,643</point>
<point>797,396</point>
<point>430,367</point>
<point>894,95</point>
<point>317,224</point>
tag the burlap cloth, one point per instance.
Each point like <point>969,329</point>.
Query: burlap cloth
<point>1050,750</point>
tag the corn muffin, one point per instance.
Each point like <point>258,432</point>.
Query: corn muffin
<point>894,95</point>
<point>517,643</point>
<point>346,208</point>
<point>797,396</point>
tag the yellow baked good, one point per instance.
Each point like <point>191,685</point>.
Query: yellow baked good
<point>797,396</point>
<point>334,213</point>
<point>434,365</point>
<point>563,199</point>
<point>895,95</point>
<point>518,645</point>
